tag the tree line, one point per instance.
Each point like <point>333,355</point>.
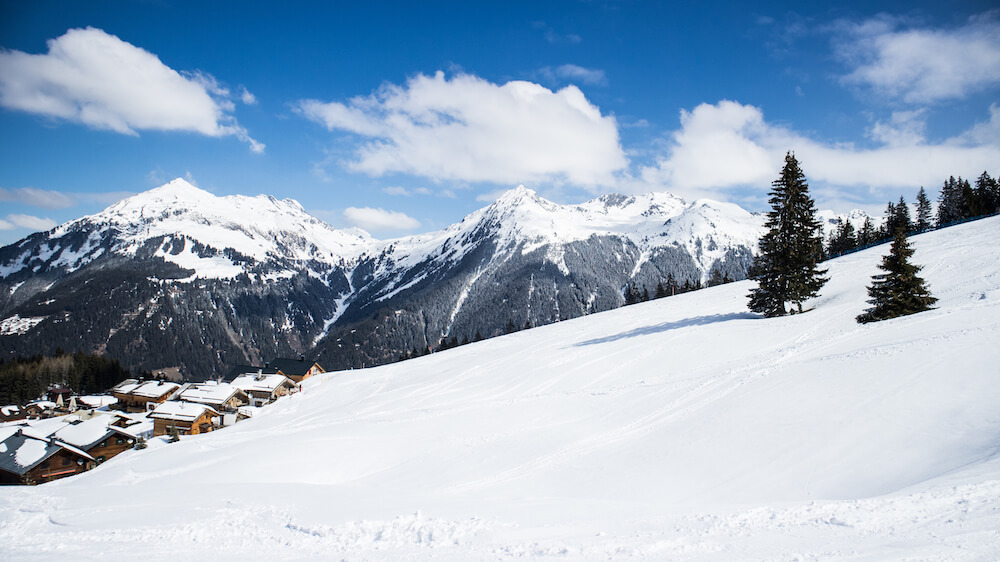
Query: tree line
<point>24,379</point>
<point>959,201</point>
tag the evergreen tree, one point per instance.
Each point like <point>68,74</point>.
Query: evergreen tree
<point>867,234</point>
<point>951,202</point>
<point>661,291</point>
<point>786,268</point>
<point>671,287</point>
<point>987,195</point>
<point>923,211</point>
<point>898,291</point>
<point>842,239</point>
<point>970,206</point>
<point>889,222</point>
<point>645,294</point>
<point>901,217</point>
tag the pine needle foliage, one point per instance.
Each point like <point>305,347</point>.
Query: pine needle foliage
<point>786,268</point>
<point>898,291</point>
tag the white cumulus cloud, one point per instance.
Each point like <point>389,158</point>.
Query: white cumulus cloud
<point>43,198</point>
<point>31,222</point>
<point>468,129</point>
<point>922,65</point>
<point>377,220</point>
<point>91,77</point>
<point>729,145</point>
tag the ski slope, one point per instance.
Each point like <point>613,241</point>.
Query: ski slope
<point>684,428</point>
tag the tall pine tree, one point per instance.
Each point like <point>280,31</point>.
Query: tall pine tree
<point>786,268</point>
<point>898,291</point>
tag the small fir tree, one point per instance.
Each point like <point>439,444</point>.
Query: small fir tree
<point>786,269</point>
<point>898,291</point>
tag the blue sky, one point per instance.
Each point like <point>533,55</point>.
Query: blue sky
<point>402,117</point>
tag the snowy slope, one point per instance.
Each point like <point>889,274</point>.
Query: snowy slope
<point>683,428</point>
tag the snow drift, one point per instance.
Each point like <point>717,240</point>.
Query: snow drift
<point>683,428</point>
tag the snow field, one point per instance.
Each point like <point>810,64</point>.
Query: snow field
<point>684,428</point>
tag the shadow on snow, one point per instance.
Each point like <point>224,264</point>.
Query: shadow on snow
<point>667,326</point>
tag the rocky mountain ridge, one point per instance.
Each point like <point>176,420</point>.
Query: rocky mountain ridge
<point>177,275</point>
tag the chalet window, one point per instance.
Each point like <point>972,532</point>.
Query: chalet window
<point>66,461</point>
<point>100,459</point>
<point>120,441</point>
<point>45,464</point>
<point>103,443</point>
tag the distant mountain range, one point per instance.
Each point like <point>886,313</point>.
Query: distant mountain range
<point>176,276</point>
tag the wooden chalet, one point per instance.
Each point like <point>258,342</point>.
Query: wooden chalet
<point>55,394</point>
<point>223,397</point>
<point>97,437</point>
<point>40,409</point>
<point>265,388</point>
<point>27,458</point>
<point>142,396</point>
<point>187,418</point>
<point>296,369</point>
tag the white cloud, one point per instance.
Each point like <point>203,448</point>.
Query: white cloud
<point>379,220</point>
<point>575,74</point>
<point>466,128</point>
<point>905,128</point>
<point>37,197</point>
<point>4,225</point>
<point>246,97</point>
<point>31,222</point>
<point>396,190</point>
<point>921,65</point>
<point>729,146</point>
<point>94,78</point>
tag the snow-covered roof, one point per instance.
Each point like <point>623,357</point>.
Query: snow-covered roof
<point>265,383</point>
<point>43,404</point>
<point>181,411</point>
<point>211,393</point>
<point>86,434</point>
<point>10,410</point>
<point>146,389</point>
<point>248,411</point>
<point>22,451</point>
<point>97,401</point>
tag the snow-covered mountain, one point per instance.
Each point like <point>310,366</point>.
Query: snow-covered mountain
<point>680,429</point>
<point>215,237</point>
<point>856,217</point>
<point>234,279</point>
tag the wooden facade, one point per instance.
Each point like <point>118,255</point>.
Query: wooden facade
<point>203,422</point>
<point>60,465</point>
<point>114,444</point>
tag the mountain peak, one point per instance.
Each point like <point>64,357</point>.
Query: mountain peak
<point>519,193</point>
<point>178,188</point>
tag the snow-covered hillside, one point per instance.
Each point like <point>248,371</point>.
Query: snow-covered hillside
<point>683,428</point>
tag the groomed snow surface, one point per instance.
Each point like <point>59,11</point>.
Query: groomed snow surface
<point>680,429</point>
